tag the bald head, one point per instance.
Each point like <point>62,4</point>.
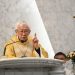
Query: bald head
<point>22,31</point>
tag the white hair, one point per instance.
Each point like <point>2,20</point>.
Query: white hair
<point>19,24</point>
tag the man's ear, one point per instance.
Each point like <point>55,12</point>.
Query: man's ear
<point>16,30</point>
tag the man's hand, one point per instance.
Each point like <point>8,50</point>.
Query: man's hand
<point>35,42</point>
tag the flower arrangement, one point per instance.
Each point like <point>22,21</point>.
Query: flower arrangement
<point>71,55</point>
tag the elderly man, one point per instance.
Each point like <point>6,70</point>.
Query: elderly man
<point>22,45</point>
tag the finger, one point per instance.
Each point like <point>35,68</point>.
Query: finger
<point>35,40</point>
<point>35,35</point>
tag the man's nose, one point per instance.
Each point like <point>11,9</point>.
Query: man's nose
<point>23,33</point>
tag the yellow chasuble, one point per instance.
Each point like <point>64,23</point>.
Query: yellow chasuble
<point>15,48</point>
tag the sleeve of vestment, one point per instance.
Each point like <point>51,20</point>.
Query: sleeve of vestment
<point>9,51</point>
<point>43,53</point>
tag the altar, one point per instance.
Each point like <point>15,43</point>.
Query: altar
<point>31,66</point>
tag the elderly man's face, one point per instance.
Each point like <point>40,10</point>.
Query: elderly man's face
<point>23,32</point>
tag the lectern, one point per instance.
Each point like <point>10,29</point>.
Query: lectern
<point>31,66</point>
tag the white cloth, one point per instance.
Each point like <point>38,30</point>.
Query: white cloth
<point>69,68</point>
